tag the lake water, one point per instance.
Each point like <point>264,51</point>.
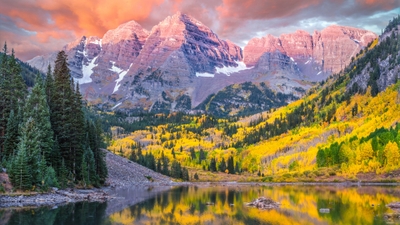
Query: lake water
<point>188,205</point>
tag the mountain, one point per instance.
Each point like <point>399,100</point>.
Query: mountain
<point>344,129</point>
<point>317,55</point>
<point>181,62</point>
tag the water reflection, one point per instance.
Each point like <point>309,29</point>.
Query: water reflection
<point>78,213</point>
<point>225,205</point>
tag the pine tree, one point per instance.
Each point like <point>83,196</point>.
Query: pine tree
<point>231,167</point>
<point>176,169</point>
<point>55,159</point>
<point>185,174</point>
<point>158,169</point>
<point>21,171</point>
<point>94,133</point>
<point>36,107</point>
<point>30,141</point>
<point>12,91</point>
<point>78,140</point>
<point>12,135</point>
<point>67,119</point>
<point>213,165</point>
<point>222,165</point>
<point>63,174</point>
<point>165,165</point>
<point>49,86</point>
<point>42,173</point>
<point>50,179</point>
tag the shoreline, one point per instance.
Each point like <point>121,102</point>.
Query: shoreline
<point>61,197</point>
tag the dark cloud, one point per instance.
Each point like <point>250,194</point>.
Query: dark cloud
<point>37,27</point>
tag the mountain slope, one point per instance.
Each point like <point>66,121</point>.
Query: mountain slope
<point>317,55</point>
<point>27,71</point>
<point>334,132</point>
<point>131,69</point>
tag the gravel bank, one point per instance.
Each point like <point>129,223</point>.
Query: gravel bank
<point>122,174</point>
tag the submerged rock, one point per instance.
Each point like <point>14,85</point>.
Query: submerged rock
<point>264,203</point>
<point>323,210</point>
<point>394,206</point>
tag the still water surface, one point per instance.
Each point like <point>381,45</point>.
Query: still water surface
<point>190,205</point>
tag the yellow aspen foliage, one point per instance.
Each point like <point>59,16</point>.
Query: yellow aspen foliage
<point>392,154</point>
<point>365,152</point>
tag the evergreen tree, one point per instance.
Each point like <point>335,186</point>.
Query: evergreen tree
<point>20,173</point>
<point>158,165</point>
<point>49,86</point>
<point>55,160</point>
<point>213,165</point>
<point>133,156</point>
<point>96,141</point>
<point>63,174</point>
<point>222,165</point>
<point>185,174</point>
<point>85,173</point>
<point>231,166</point>
<point>176,169</point>
<point>12,135</point>
<point>30,141</point>
<point>77,133</point>
<point>50,179</point>
<point>36,108</point>
<point>202,155</point>
<point>165,165</point>
<point>12,91</point>
<point>67,118</point>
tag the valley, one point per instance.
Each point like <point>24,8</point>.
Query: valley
<point>199,112</point>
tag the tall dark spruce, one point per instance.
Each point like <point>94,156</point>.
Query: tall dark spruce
<point>64,116</point>
<point>47,140</point>
<point>13,92</point>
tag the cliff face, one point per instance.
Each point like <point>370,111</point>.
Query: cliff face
<point>180,62</point>
<point>325,52</point>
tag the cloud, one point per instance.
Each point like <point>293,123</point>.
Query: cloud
<point>45,25</point>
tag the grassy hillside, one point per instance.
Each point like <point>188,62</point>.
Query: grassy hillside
<point>344,127</point>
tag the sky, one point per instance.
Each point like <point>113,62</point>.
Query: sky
<point>38,27</point>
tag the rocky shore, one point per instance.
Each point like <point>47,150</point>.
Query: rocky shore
<point>122,174</point>
<point>53,198</point>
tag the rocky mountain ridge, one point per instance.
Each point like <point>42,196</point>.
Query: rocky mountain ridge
<point>181,62</point>
<point>325,52</point>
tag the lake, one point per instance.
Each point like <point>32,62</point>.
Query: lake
<point>191,205</point>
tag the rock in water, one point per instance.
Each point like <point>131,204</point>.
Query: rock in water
<point>264,203</point>
<point>323,210</point>
<point>394,206</point>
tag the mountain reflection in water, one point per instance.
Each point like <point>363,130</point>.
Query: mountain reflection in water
<point>225,205</point>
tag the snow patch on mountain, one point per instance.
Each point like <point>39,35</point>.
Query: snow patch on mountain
<point>116,106</point>
<point>204,75</point>
<point>121,75</point>
<point>87,72</point>
<point>97,42</point>
<point>228,70</point>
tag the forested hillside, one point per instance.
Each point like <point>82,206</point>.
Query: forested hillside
<point>28,72</point>
<point>345,126</point>
<point>46,139</point>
